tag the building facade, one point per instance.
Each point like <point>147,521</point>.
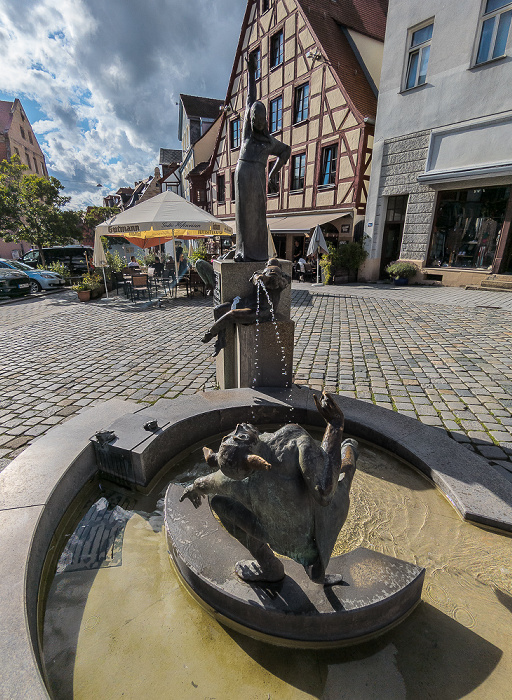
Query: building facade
<point>318,76</point>
<point>441,184</point>
<point>170,161</point>
<point>18,138</point>
<point>197,116</point>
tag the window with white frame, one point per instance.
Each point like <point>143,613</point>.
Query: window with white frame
<point>276,114</point>
<point>494,30</point>
<point>418,55</point>
<point>298,171</point>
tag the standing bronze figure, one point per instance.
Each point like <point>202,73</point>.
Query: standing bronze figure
<point>250,180</point>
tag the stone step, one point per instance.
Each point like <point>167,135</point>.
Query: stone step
<point>485,287</point>
<point>497,284</point>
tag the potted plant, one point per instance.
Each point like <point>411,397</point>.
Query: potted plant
<point>82,290</point>
<point>401,271</point>
<point>94,283</point>
<point>350,256</point>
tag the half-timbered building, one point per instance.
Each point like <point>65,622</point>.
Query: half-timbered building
<point>318,75</point>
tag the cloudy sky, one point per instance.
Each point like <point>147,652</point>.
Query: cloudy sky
<point>99,79</point>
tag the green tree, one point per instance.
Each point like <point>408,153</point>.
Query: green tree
<point>31,209</point>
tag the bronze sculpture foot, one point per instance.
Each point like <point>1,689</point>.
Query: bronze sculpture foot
<point>251,571</point>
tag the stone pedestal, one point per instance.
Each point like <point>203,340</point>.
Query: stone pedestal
<point>265,354</point>
<point>236,363</point>
<point>377,592</point>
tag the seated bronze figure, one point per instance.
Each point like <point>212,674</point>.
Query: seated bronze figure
<point>282,492</point>
<point>243,310</point>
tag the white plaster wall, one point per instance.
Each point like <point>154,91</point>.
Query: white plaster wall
<point>455,92</point>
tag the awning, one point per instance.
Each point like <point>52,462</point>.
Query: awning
<point>302,223</point>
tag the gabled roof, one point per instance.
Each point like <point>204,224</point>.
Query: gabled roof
<point>328,19</point>
<point>365,16</point>
<point>169,156</point>
<point>199,169</point>
<point>204,107</point>
<point>5,115</point>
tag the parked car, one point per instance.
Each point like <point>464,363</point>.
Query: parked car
<point>39,279</point>
<point>74,257</point>
<point>13,283</point>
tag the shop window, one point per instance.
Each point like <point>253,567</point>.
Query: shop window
<point>221,188</point>
<point>276,114</point>
<point>418,55</point>
<point>329,160</point>
<point>301,110</point>
<point>494,30</point>
<point>276,49</point>
<point>467,227</point>
<point>234,127</point>
<point>298,171</point>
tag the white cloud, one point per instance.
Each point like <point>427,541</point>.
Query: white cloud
<point>107,75</point>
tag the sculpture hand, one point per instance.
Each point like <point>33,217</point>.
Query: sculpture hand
<point>193,494</point>
<point>329,410</point>
<point>252,63</point>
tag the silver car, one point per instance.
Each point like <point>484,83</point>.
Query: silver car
<point>39,279</point>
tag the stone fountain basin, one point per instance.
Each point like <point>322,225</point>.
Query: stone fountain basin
<point>37,488</point>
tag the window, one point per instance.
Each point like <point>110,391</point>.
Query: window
<point>257,53</point>
<point>221,188</point>
<point>265,4</point>
<point>30,138</point>
<point>22,132</point>
<point>467,227</point>
<point>495,29</point>
<point>329,160</point>
<point>27,158</point>
<point>419,52</point>
<point>276,114</point>
<point>233,190</point>
<point>274,188</point>
<point>301,103</point>
<point>235,133</point>
<point>276,49</point>
<point>298,170</point>
<point>35,166</point>
<point>16,151</point>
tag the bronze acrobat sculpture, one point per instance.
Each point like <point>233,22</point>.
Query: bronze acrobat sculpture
<point>244,310</point>
<point>282,492</point>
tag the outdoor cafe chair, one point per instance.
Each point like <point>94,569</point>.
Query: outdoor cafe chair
<point>152,278</point>
<point>169,281</point>
<point>140,284</point>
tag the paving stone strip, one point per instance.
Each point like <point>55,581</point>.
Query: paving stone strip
<point>432,354</point>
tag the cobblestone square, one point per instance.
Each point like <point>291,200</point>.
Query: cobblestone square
<point>440,355</point>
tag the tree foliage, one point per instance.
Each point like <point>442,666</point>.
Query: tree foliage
<point>31,208</point>
<point>97,215</point>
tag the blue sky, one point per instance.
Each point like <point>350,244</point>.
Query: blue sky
<point>99,80</point>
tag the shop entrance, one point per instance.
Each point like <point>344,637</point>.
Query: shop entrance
<point>393,231</point>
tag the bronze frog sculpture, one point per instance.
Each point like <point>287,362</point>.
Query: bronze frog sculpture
<point>282,492</point>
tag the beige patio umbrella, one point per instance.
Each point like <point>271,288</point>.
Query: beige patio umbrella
<point>162,218</point>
